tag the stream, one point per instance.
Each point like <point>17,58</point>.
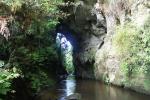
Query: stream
<point>90,90</point>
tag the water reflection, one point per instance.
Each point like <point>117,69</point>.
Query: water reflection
<point>92,90</point>
<point>70,87</point>
<point>66,88</point>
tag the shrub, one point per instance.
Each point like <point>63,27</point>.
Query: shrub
<point>39,80</point>
<point>133,44</point>
<point>124,38</point>
<point>6,77</point>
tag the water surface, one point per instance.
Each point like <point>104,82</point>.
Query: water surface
<point>91,90</point>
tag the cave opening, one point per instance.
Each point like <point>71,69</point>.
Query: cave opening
<point>64,42</point>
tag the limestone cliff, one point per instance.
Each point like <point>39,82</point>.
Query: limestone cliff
<point>94,24</point>
<point>107,59</point>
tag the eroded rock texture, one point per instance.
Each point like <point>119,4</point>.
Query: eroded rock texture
<point>107,59</point>
<point>93,22</point>
<point>89,27</point>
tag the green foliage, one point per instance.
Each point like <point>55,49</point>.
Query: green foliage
<point>125,41</point>
<point>125,38</point>
<point>68,62</point>
<point>30,16</point>
<point>39,79</point>
<point>31,45</point>
<point>33,58</point>
<point>6,77</point>
<point>33,63</point>
<point>42,55</point>
<point>134,45</point>
<point>67,58</point>
<point>46,5</point>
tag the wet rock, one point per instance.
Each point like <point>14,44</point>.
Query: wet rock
<point>89,27</point>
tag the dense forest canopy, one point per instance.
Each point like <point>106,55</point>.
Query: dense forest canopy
<point>27,44</point>
<point>26,13</point>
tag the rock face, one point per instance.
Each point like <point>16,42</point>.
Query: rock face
<point>94,23</point>
<point>90,28</point>
<point>107,59</point>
